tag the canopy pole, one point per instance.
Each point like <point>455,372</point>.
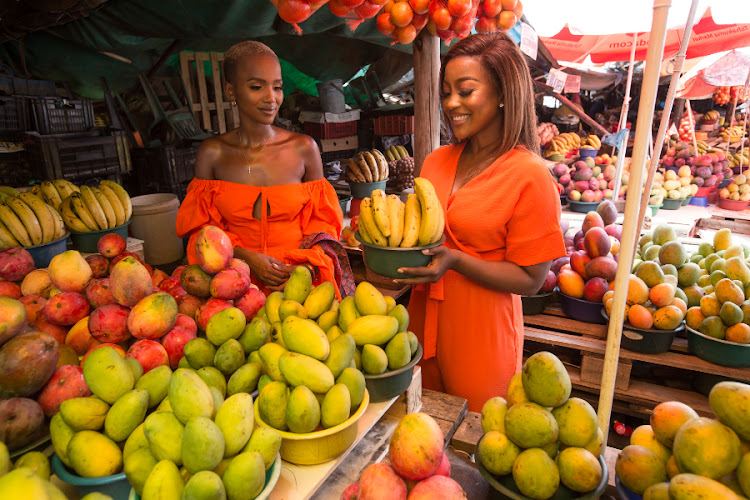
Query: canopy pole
<point>643,129</point>
<point>426,101</point>
<point>744,123</point>
<point>691,120</point>
<point>621,124</point>
<point>661,135</point>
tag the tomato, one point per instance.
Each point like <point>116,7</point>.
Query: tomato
<point>509,4</point>
<point>518,10</point>
<point>442,19</point>
<point>338,9</point>
<point>459,8</point>
<point>492,8</point>
<point>401,14</point>
<point>367,10</point>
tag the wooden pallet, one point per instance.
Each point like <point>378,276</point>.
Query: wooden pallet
<point>205,108</point>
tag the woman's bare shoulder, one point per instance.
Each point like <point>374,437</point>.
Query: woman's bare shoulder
<point>301,141</point>
<point>210,154</point>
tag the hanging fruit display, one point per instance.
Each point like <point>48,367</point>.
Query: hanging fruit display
<point>724,95</point>
<point>494,15</point>
<point>297,11</point>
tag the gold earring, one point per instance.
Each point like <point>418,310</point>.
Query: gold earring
<point>234,103</point>
<point>500,105</point>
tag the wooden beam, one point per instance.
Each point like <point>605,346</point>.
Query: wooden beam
<point>170,50</point>
<point>572,107</point>
<point>426,96</point>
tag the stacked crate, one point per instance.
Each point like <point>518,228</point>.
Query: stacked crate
<point>165,169</point>
<point>335,133</point>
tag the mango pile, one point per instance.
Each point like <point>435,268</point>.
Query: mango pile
<point>683,456</point>
<point>28,477</point>
<point>738,189</point>
<point>547,440</point>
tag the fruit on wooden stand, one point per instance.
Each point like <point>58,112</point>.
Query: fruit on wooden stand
<point>27,219</point>
<point>369,166</point>
<point>738,189</point>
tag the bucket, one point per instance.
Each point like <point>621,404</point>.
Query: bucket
<point>154,217</point>
<point>331,95</point>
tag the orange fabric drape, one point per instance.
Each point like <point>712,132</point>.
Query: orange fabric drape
<point>296,211</point>
<point>473,336</point>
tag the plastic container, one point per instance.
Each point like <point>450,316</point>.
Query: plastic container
<point>737,205</point>
<point>55,115</point>
<point>331,95</point>
<point>42,254</point>
<point>698,201</point>
<point>320,446</point>
<point>116,486</point>
<point>386,261</point>
<point>392,383</point>
<point>717,351</point>
<point>646,340</point>
<point>625,494</point>
<point>15,118</point>
<point>86,242</point>
<point>671,204</point>
<point>535,304</point>
<point>14,168</point>
<point>329,130</point>
<point>703,191</point>
<point>394,125</point>
<point>582,310</point>
<point>686,200</point>
<point>361,190</point>
<point>164,169</point>
<point>508,489</point>
<point>343,202</point>
<point>587,153</point>
<point>582,207</point>
<point>725,183</point>
<point>154,217</point>
<point>654,209</point>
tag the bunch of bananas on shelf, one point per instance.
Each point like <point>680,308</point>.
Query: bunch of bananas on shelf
<point>396,153</point>
<point>367,166</point>
<point>710,116</point>
<point>96,208</point>
<point>591,142</point>
<point>702,147</point>
<point>740,160</point>
<point>387,221</point>
<point>732,134</point>
<point>26,220</point>
<point>562,144</point>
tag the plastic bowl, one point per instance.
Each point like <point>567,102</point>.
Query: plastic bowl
<point>42,254</point>
<point>725,183</point>
<point>272,477</point>
<point>703,191</point>
<point>686,200</point>
<point>86,242</point>
<point>343,202</point>
<point>386,261</point>
<point>718,351</point>
<point>320,446</point>
<point>392,383</point>
<point>535,304</point>
<point>582,310</point>
<point>116,486</point>
<point>582,207</point>
<point>625,494</point>
<point>362,190</point>
<point>654,209</point>
<point>671,204</point>
<point>726,204</point>
<point>698,201</point>
<point>587,153</point>
<point>646,340</point>
<point>507,486</point>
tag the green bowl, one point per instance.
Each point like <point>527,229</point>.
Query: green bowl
<point>507,486</point>
<point>672,204</point>
<point>116,485</point>
<point>42,254</point>
<point>535,304</point>
<point>654,209</point>
<point>582,207</point>
<point>646,340</point>
<point>392,383</point>
<point>343,202</point>
<point>86,242</point>
<point>386,261</point>
<point>362,190</point>
<point>686,200</point>
<point>717,351</point>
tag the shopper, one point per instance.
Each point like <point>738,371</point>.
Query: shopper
<point>502,223</point>
<point>264,185</point>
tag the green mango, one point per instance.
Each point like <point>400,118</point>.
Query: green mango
<point>229,357</point>
<point>202,445</point>
<point>245,476</point>
<point>265,441</point>
<point>107,374</point>
<point>156,383</point>
<point>204,485</point>
<point>374,359</point>
<point>137,467</point>
<point>320,300</point>
<point>164,433</point>
<point>189,396</point>
<point>302,411</point>
<point>126,414</point>
<point>272,402</point>
<point>235,418</point>
<point>398,351</point>
<point>254,335</point>
<point>336,406</point>
<point>353,379</point>
<point>244,379</point>
<point>164,483</point>
<point>342,354</point>
<point>84,413</point>
<point>299,285</point>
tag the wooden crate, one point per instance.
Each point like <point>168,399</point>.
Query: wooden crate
<point>206,110</point>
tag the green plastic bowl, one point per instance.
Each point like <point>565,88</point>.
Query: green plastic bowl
<point>717,351</point>
<point>362,190</point>
<point>42,254</point>
<point>535,304</point>
<point>686,200</point>
<point>392,383</point>
<point>646,340</point>
<point>672,204</point>
<point>116,485</point>
<point>86,242</point>
<point>386,261</point>
<point>582,207</point>
<point>654,209</point>
<point>507,486</point>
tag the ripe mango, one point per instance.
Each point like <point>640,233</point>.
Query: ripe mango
<point>60,434</point>
<point>730,402</point>
<point>497,453</point>
<point>390,303</point>
<point>107,374</point>
<point>299,369</point>
<point>218,398</point>
<point>545,379</point>
<point>402,315</point>
<point>156,383</point>
<point>529,425</point>
<point>224,325</point>
<point>341,355</point>
<point>263,381</point>
<point>374,359</point>
<point>94,455</point>
<point>302,410</point>
<point>304,336</point>
<point>254,335</point>
<point>398,351</point>
<point>261,314</point>
<point>333,333</point>
<point>707,447</point>
<point>254,357</point>
<point>535,474</point>
<point>244,379</point>
<point>347,313</point>
<point>357,361</point>
<point>137,467</point>
<point>690,486</point>
<point>202,445</point>
<point>577,422</point>
<point>327,320</point>
<point>135,441</point>
<point>270,354</point>
<point>493,415</point>
<point>204,485</point>
<point>245,475</point>
<point>272,402</point>
<point>189,396</point>
<point>84,413</point>
<point>199,352</point>
<point>136,367</point>
<point>320,300</point>
<point>126,414</point>
<point>265,441</point>
<point>164,483</point>
<point>369,300</point>
<point>24,483</point>
<point>213,378</point>
<point>229,356</point>
<point>373,329</point>
<point>413,342</point>
<point>235,419</point>
<point>579,470</point>
<point>276,334</point>
<point>273,301</point>
<point>299,285</point>
<point>164,434</point>
<point>336,406</point>
<point>353,379</point>
<point>291,308</point>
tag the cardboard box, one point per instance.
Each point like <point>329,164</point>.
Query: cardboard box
<point>321,117</point>
<point>340,144</point>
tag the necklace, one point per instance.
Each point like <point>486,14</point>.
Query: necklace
<point>255,156</point>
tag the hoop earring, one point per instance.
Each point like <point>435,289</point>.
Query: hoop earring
<point>234,103</point>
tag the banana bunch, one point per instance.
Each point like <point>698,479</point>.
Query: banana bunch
<point>732,134</point>
<point>368,166</point>
<point>740,160</point>
<point>387,221</point>
<point>711,115</point>
<point>53,192</point>
<point>96,208</point>
<point>702,147</point>
<point>396,153</point>
<point>26,220</point>
<point>562,144</point>
<point>591,142</point>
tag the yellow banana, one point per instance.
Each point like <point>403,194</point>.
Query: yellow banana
<point>412,221</point>
<point>403,152</point>
<point>115,202</point>
<point>364,167</point>
<point>440,227</point>
<point>37,190</point>
<point>14,225</point>
<point>64,187</point>
<point>29,220</point>
<point>109,212</point>
<point>82,212</point>
<point>51,195</point>
<point>396,220</point>
<point>363,232</point>
<point>70,218</point>
<point>382,163</point>
<point>94,207</point>
<point>6,237</point>
<point>372,164</point>
<point>10,191</point>
<point>366,217</point>
<point>46,222</point>
<point>123,196</point>
<point>431,209</point>
<point>380,211</point>
<point>389,155</point>
<point>57,218</point>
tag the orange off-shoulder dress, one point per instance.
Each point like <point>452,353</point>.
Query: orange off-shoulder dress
<point>473,336</point>
<point>296,211</point>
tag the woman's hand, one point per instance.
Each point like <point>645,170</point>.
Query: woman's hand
<point>443,260</point>
<point>272,272</point>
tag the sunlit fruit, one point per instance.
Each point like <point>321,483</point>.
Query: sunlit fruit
<point>486,24</point>
<point>492,8</point>
<point>518,10</point>
<point>506,20</point>
<point>420,20</point>
<point>459,8</point>
<point>401,14</point>
<point>510,4</point>
<point>442,19</point>
<point>384,24</point>
<point>406,35</point>
<point>419,6</point>
<point>462,24</point>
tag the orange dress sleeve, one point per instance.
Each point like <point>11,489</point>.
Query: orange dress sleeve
<point>323,213</point>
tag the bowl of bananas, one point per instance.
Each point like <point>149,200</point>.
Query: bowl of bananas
<point>366,172</point>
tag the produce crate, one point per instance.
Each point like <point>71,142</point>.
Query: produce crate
<point>165,169</point>
<point>15,118</point>
<point>338,149</point>
<point>20,86</point>
<point>77,157</point>
<point>55,115</point>
<point>14,169</point>
<point>394,125</point>
<point>330,130</point>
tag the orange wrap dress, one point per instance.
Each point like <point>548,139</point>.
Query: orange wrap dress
<point>473,336</point>
<point>296,211</point>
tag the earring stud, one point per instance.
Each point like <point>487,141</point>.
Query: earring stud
<point>500,105</point>
<point>234,103</point>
